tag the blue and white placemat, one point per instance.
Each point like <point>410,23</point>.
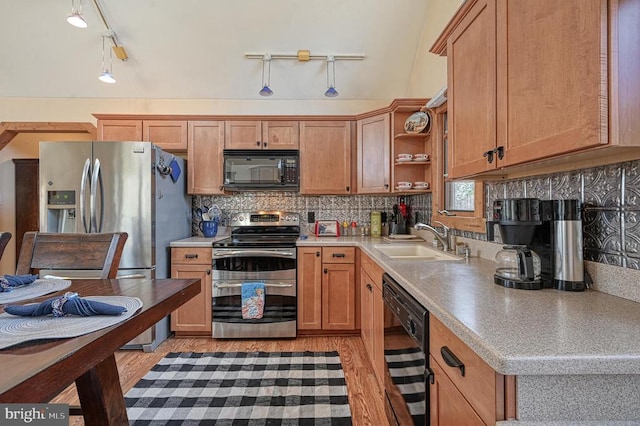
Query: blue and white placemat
<point>16,329</point>
<point>38,288</point>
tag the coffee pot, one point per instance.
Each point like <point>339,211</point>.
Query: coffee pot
<point>518,267</point>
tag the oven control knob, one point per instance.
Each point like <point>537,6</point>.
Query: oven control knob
<point>234,219</point>
<point>240,218</point>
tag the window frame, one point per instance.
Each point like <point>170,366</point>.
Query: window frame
<point>465,221</point>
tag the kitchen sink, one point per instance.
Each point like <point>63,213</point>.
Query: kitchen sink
<point>414,251</point>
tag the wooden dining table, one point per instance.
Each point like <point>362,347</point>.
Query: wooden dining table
<point>35,372</point>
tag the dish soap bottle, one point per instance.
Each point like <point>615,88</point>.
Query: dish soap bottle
<point>376,224</point>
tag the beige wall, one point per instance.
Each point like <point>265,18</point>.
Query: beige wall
<point>429,70</point>
<point>24,145</point>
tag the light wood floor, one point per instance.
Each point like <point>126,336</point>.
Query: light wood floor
<point>365,396</point>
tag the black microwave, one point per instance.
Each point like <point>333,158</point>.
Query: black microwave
<point>254,170</point>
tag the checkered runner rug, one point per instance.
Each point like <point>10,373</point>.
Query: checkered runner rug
<point>406,368</point>
<point>242,388</point>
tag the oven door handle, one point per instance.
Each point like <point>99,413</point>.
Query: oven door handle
<point>234,285</point>
<point>245,253</point>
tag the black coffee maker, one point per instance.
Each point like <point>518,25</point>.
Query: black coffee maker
<point>543,244</point>
<point>518,265</point>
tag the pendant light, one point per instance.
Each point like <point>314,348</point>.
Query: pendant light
<point>331,77</point>
<point>107,76</point>
<point>76,18</point>
<point>266,78</point>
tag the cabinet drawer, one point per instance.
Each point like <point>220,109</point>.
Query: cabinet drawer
<point>480,384</point>
<point>338,255</point>
<point>191,255</point>
<point>372,269</point>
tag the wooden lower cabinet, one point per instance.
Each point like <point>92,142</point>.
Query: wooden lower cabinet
<point>480,387</point>
<point>447,406</point>
<point>194,317</point>
<point>327,290</point>
<point>372,314</point>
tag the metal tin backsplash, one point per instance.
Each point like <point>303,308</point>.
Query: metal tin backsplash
<point>325,207</point>
<point>611,207</point>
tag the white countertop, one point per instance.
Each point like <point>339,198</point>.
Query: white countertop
<point>517,332</point>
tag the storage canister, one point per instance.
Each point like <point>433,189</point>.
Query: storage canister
<point>376,224</point>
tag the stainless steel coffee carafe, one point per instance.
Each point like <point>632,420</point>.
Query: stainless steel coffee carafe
<point>566,229</point>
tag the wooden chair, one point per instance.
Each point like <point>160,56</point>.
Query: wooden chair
<point>99,252</point>
<point>4,240</point>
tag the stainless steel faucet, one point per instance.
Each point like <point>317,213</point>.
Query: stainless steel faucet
<point>442,237</point>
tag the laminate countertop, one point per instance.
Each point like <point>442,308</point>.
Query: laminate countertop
<point>517,332</point>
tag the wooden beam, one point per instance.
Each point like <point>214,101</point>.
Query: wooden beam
<point>9,130</point>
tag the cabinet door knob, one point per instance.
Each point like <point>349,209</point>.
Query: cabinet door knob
<point>326,271</point>
<point>258,143</point>
<point>348,188</point>
<point>386,186</point>
<point>500,151</point>
<point>317,254</point>
<point>208,271</point>
<point>264,144</point>
<point>489,156</point>
<point>369,287</point>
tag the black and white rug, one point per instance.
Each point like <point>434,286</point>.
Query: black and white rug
<point>242,388</point>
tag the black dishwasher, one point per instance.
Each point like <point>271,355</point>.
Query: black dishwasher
<point>406,348</point>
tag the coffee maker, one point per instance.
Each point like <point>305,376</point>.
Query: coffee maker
<point>518,265</point>
<point>543,244</point>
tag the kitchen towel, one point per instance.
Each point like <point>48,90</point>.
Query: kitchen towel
<point>252,300</point>
<point>9,282</point>
<point>70,303</point>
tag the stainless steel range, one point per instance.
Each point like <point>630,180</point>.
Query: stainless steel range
<point>262,249</point>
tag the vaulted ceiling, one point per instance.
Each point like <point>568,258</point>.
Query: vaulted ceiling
<point>193,49</point>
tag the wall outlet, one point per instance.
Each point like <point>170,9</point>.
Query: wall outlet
<point>311,217</point>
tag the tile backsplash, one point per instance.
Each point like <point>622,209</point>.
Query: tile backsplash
<point>326,207</point>
<point>611,207</point>
<point>610,195</point>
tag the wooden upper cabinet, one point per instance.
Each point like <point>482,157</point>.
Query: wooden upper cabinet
<point>551,77</point>
<point>245,134</point>
<point>471,62</point>
<point>204,154</point>
<point>325,157</point>
<point>373,152</point>
<point>539,79</point>
<point>169,135</point>
<point>119,130</point>
<point>280,135</point>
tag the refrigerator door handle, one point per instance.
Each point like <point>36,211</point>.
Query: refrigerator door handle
<point>96,179</point>
<point>86,173</point>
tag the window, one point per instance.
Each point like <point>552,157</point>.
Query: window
<point>459,204</point>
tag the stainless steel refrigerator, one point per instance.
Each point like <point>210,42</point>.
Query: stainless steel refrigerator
<point>131,187</point>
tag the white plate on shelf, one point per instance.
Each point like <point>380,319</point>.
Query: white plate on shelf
<point>404,160</point>
<point>417,122</point>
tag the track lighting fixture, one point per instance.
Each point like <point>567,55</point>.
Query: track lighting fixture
<point>107,75</point>
<point>302,56</point>
<point>76,18</point>
<point>266,77</point>
<point>331,77</point>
